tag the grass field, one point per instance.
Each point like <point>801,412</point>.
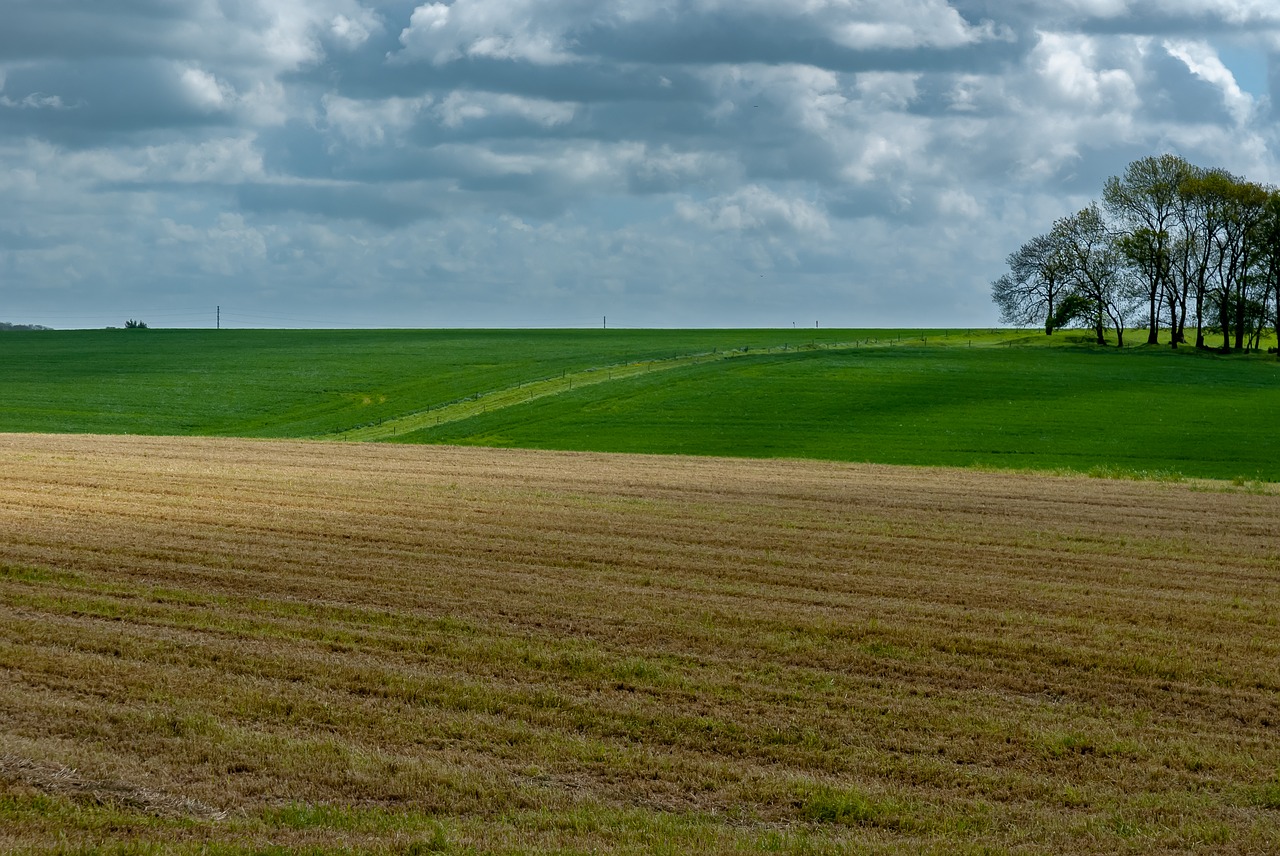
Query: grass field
<point>298,383</point>
<point>1035,408</point>
<point>225,646</point>
<point>964,398</point>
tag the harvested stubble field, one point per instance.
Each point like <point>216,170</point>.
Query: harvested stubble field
<point>226,645</point>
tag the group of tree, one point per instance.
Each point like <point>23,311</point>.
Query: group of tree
<point>1172,247</point>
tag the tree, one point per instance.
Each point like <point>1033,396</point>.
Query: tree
<point>1179,239</point>
<point>1097,270</point>
<point>1241,206</point>
<point>1035,285</point>
<point>1073,307</point>
<point>135,325</point>
<point>1266,238</point>
<point>1145,200</point>
<point>1148,255</point>
<point>1201,214</point>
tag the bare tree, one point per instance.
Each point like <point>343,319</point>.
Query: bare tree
<point>1032,291</point>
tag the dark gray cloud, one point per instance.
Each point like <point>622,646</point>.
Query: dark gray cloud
<point>86,104</point>
<point>549,161</point>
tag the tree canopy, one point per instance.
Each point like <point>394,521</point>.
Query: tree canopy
<point>1171,245</point>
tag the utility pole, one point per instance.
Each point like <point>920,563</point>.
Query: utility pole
<point>604,322</point>
<point>219,321</point>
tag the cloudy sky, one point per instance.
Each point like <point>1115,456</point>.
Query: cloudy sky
<point>669,163</point>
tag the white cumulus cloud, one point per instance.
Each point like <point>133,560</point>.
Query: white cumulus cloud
<point>757,209</point>
<point>496,29</point>
<point>461,107</point>
<point>1202,60</point>
<point>205,91</point>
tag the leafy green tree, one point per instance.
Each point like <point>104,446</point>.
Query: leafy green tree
<point>1149,257</point>
<point>1266,240</point>
<point>1098,271</point>
<point>1201,214</point>
<point>1242,205</point>
<point>1145,201</point>
<point>1072,308</point>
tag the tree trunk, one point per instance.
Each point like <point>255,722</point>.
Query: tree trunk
<point>1200,315</point>
<point>1153,331</point>
<point>1181,338</point>
<point>1224,316</point>
<point>1240,319</point>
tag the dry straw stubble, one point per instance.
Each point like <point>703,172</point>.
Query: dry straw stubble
<point>330,645</point>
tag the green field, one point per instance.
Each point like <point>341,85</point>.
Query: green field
<point>1032,408</point>
<point>956,398</point>
<point>300,383</point>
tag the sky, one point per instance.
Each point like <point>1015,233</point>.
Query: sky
<point>576,163</point>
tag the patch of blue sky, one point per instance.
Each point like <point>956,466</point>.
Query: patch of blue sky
<point>1249,65</point>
